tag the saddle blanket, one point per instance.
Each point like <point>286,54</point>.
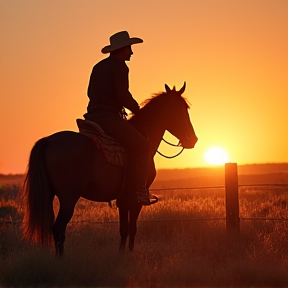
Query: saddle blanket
<point>112,150</point>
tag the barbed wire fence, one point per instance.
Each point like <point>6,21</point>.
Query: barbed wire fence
<point>230,195</point>
<point>260,187</point>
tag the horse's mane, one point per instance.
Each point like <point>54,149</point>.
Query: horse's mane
<point>158,96</point>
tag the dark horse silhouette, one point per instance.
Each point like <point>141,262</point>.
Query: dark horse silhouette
<point>67,164</point>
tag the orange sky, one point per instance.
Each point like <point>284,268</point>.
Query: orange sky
<point>232,54</point>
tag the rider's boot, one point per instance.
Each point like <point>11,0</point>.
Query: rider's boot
<point>134,189</point>
<point>145,197</point>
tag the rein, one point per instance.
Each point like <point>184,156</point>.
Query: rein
<point>170,157</point>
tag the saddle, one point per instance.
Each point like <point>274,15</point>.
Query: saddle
<point>111,149</point>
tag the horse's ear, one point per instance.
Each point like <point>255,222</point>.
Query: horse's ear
<point>167,88</point>
<point>181,91</point>
<point>174,89</point>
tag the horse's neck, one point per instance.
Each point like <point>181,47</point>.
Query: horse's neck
<point>151,124</point>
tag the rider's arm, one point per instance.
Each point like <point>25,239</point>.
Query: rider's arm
<point>121,81</point>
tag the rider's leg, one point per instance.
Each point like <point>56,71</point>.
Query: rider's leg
<point>138,152</point>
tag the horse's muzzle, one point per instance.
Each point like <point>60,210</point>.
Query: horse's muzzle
<point>188,143</point>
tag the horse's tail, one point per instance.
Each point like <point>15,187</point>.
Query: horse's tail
<point>38,195</point>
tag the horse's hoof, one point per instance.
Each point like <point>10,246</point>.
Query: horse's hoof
<point>59,253</point>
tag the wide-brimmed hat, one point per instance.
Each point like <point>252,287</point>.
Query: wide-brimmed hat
<point>119,40</point>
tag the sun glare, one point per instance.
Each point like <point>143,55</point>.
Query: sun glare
<point>216,156</point>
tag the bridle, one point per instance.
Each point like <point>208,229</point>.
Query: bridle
<point>174,145</point>
<point>171,144</point>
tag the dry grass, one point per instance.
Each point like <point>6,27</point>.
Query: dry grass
<point>168,253</point>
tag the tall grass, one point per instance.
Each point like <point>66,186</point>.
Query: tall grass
<point>170,250</point>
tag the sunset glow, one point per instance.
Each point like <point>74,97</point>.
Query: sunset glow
<point>216,156</point>
<point>232,55</point>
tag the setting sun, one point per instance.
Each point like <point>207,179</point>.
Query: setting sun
<point>216,156</point>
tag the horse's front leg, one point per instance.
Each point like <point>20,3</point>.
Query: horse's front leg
<point>134,214</point>
<point>124,227</point>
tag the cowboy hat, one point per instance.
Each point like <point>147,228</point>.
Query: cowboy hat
<point>119,40</point>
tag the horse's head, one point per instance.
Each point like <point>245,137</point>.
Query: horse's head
<point>179,123</point>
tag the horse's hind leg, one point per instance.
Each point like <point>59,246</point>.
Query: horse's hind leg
<point>124,227</point>
<point>134,214</point>
<point>59,228</point>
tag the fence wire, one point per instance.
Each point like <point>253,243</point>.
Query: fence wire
<point>204,218</point>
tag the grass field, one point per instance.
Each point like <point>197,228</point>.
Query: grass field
<point>179,244</point>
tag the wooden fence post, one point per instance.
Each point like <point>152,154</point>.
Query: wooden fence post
<point>231,196</point>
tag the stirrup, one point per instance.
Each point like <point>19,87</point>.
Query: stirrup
<point>146,200</point>
<point>155,198</point>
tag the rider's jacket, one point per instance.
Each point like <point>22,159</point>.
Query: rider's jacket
<point>108,88</point>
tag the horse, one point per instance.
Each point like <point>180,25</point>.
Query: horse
<point>68,165</point>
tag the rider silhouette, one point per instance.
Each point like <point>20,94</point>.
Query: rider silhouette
<point>108,92</point>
